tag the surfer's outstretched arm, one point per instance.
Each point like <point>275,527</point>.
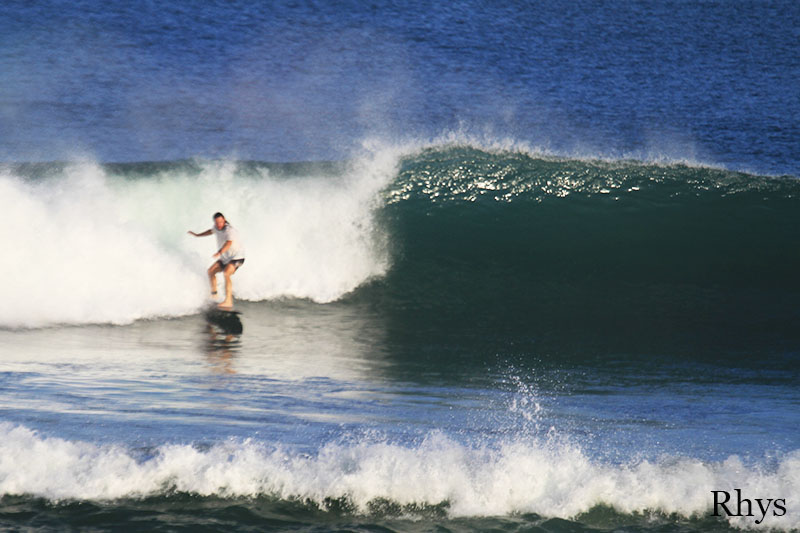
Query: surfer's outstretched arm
<point>206,233</point>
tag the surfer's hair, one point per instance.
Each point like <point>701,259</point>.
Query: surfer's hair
<point>218,215</point>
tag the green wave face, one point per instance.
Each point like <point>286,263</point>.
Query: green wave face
<point>619,251</point>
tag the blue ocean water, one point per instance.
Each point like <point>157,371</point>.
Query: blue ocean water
<point>523,267</point>
<point>705,81</point>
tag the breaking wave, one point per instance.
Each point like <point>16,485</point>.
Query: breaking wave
<point>549,478</point>
<point>108,243</point>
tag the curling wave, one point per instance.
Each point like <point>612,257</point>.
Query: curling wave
<point>489,229</point>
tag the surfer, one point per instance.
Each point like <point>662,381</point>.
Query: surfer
<point>230,256</point>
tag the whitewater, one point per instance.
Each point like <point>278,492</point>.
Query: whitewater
<point>118,250</point>
<point>523,476</point>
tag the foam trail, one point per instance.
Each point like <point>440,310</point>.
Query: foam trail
<point>90,247</point>
<point>553,480</point>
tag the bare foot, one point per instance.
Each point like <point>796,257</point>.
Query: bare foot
<point>225,306</point>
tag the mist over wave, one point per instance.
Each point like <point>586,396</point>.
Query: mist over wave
<point>550,477</point>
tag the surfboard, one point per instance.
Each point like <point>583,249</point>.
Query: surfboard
<point>227,320</point>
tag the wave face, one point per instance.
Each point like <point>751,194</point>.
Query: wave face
<point>509,241</point>
<point>474,232</point>
<point>547,478</point>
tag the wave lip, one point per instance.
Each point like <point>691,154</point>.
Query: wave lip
<point>550,479</point>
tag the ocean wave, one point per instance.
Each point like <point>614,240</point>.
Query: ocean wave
<point>107,243</point>
<point>549,478</point>
<point>640,255</point>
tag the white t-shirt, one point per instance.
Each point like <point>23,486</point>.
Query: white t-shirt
<point>229,233</point>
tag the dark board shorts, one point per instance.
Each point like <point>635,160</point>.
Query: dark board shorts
<point>235,262</point>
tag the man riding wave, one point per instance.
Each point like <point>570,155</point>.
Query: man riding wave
<point>230,256</point>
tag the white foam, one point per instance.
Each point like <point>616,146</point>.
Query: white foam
<point>548,478</point>
<point>88,247</point>
<point>73,256</point>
